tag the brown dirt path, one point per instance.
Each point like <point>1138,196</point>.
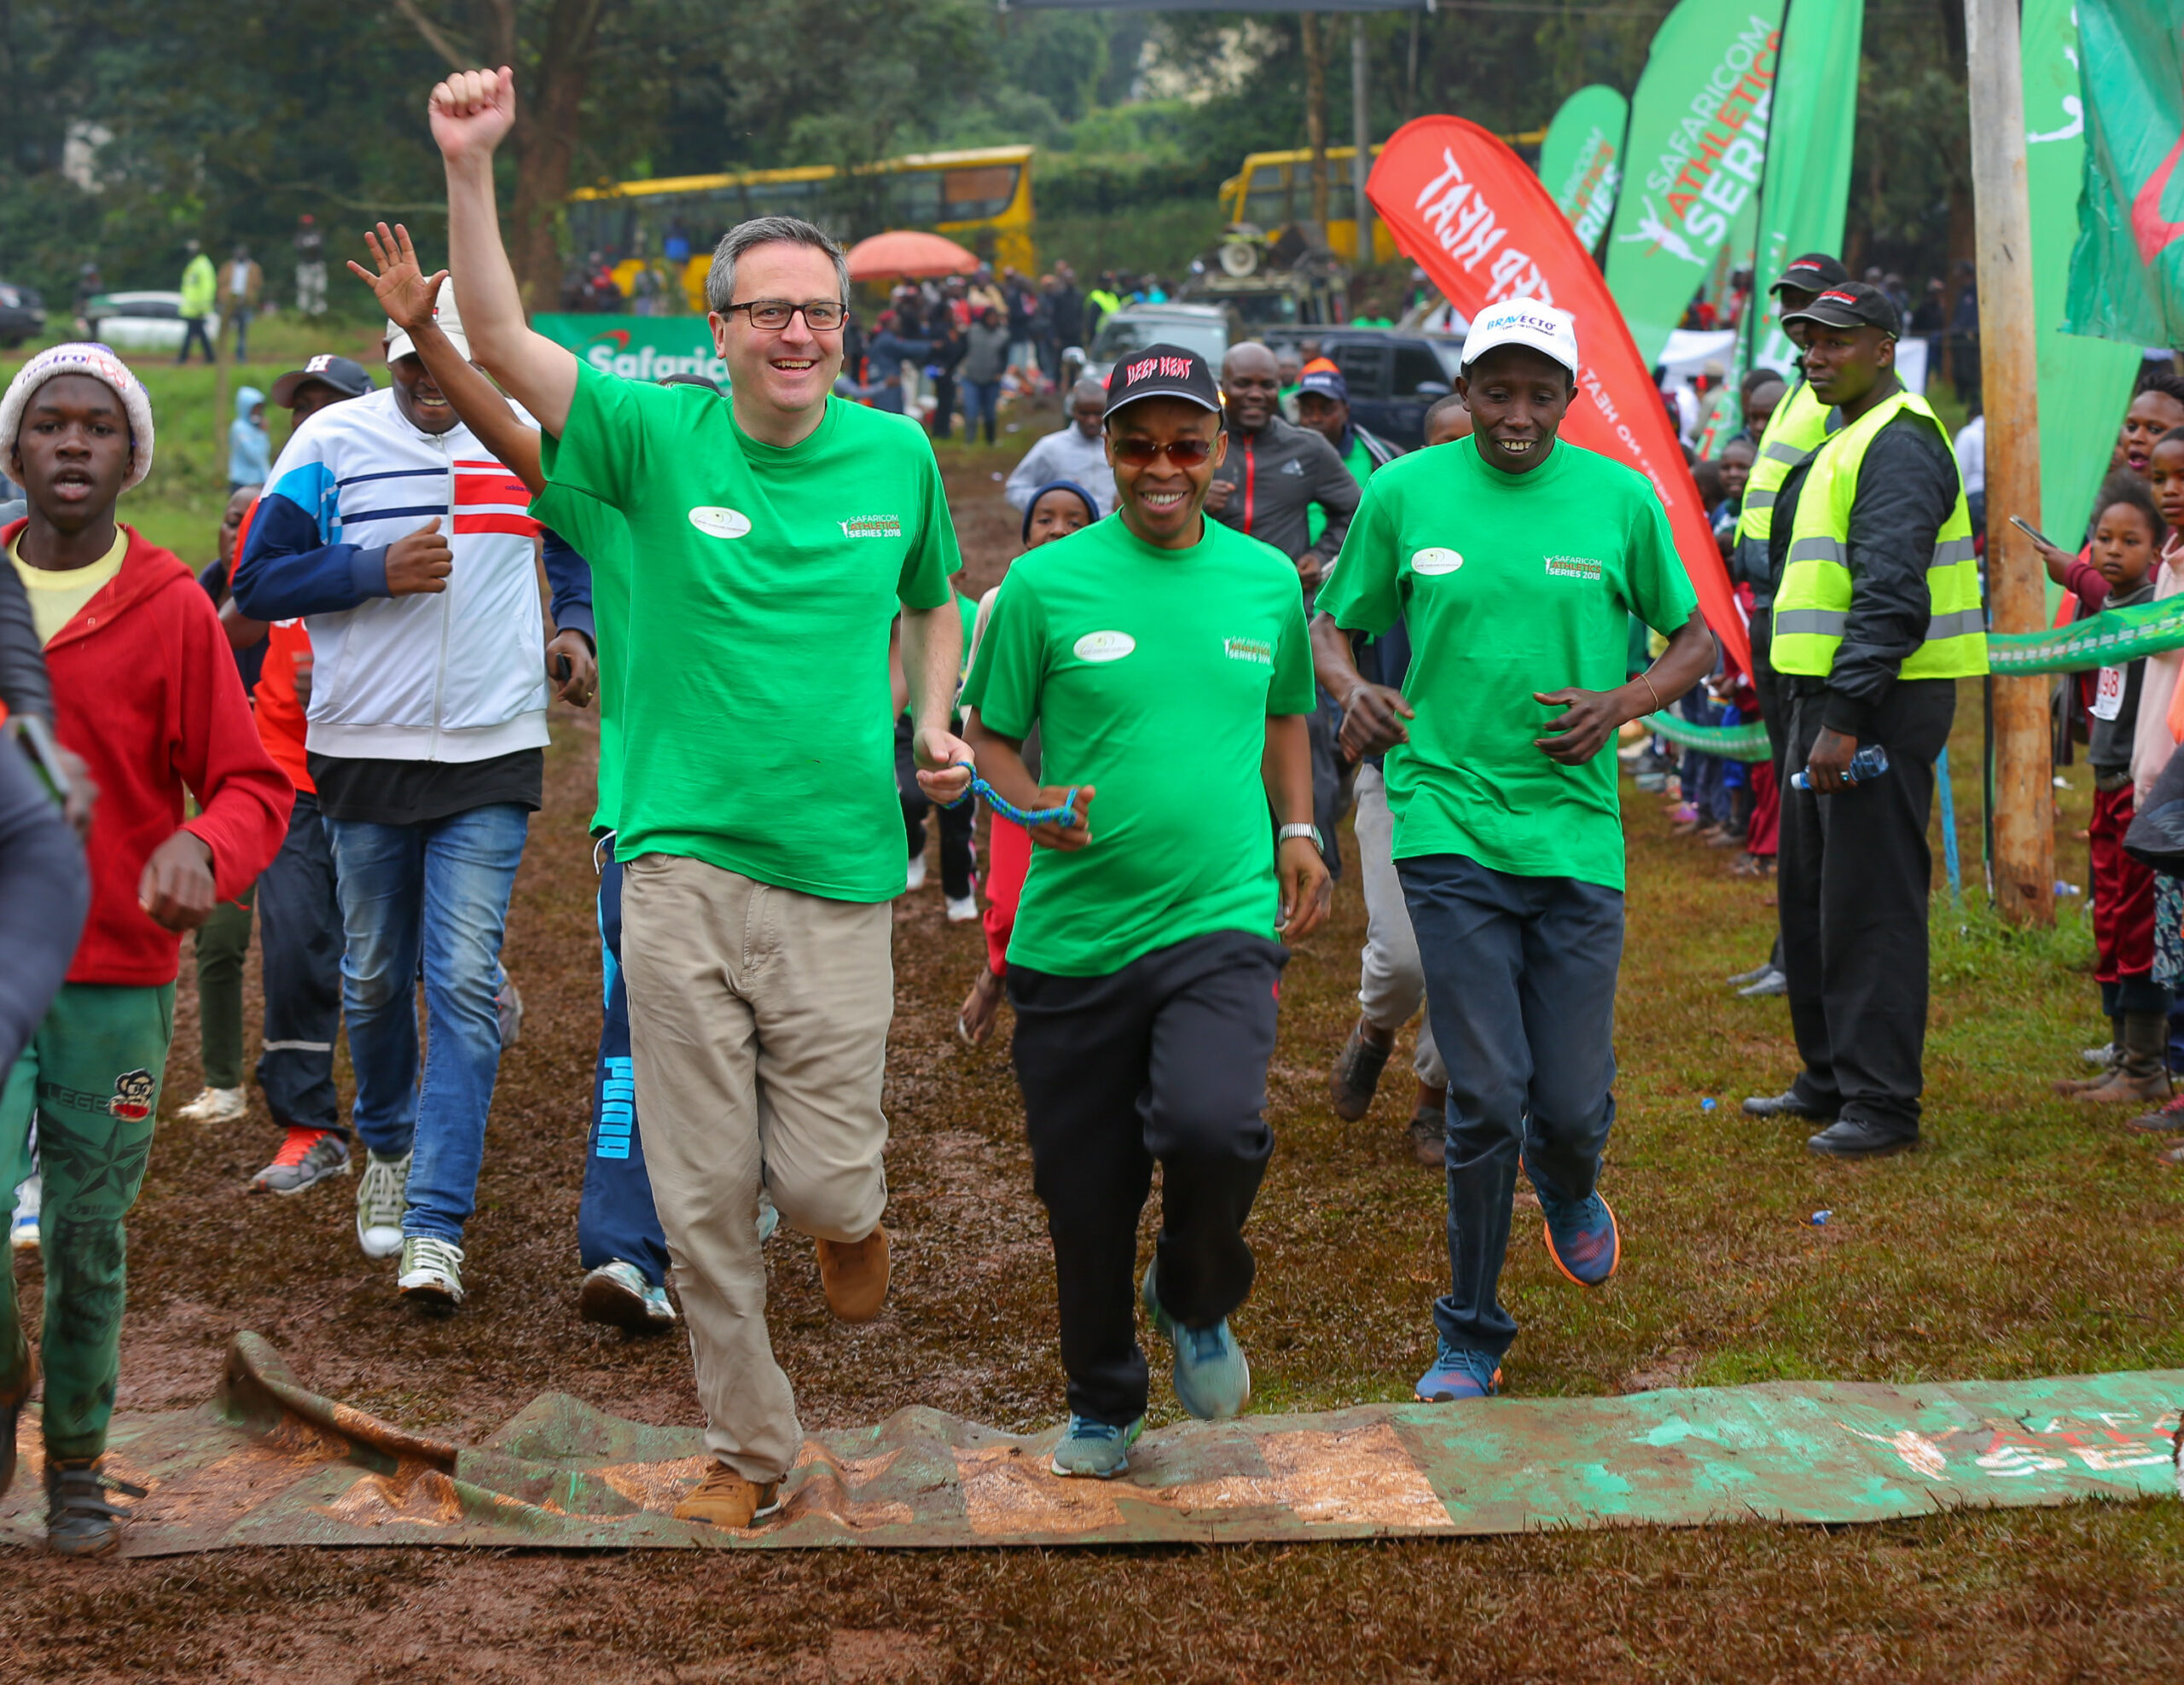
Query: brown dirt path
<point>1349,1242</point>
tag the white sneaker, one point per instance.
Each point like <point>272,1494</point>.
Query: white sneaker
<point>432,1270</point>
<point>216,1106</point>
<point>22,1229</point>
<point>917,873</point>
<point>768,1219</point>
<point>382,1195</point>
<point>618,1294</point>
<point>963,909</point>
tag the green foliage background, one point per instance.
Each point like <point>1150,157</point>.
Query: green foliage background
<point>227,119</point>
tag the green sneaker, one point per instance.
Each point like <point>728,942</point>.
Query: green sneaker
<point>1096,1451</point>
<point>432,1270</point>
<point>1212,1379</point>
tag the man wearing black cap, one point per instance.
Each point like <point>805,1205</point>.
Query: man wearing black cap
<point>1794,430</point>
<point>324,379</point>
<point>1877,615</point>
<point>1323,406</point>
<point>1164,660</point>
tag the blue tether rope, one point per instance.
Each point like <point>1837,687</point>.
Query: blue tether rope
<point>1065,816</point>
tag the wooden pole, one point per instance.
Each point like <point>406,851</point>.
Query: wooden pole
<point>2024,799</point>
<point>1316,114</point>
<point>1361,129</point>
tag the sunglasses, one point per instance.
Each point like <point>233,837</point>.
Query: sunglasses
<point>1184,453</point>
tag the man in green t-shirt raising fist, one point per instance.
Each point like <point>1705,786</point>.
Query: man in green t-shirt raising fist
<point>1165,659</point>
<point>759,837</point>
<point>1515,561</point>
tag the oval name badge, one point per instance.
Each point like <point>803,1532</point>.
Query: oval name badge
<point>1435,560</point>
<point>719,522</point>
<point>1104,646</point>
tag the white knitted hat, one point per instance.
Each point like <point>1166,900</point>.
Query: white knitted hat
<point>100,362</point>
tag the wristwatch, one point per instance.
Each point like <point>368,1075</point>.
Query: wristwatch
<point>1311,831</point>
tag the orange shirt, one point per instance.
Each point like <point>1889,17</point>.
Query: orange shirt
<point>279,714</point>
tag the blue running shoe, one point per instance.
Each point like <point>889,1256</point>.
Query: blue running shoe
<point>1581,1237</point>
<point>1094,1450</point>
<point>1457,1375</point>
<point>1213,1381</point>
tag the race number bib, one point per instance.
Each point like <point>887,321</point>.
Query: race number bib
<point>2108,694</point>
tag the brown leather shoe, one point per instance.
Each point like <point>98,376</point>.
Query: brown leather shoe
<point>855,1275</point>
<point>725,1499</point>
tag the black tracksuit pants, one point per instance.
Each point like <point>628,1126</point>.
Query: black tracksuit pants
<point>1854,875</point>
<point>1163,1060</point>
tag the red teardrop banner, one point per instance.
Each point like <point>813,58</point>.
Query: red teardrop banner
<point>1469,212</point>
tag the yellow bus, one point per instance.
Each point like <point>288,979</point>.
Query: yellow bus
<point>1274,190</point>
<point>980,197</point>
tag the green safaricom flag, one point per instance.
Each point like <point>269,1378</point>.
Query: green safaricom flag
<point>1581,160</point>
<point>1811,132</point>
<point>1697,150</point>
<point>2084,383</point>
<point>638,347</point>
<point>2126,274</point>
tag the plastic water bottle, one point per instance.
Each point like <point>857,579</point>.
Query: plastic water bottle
<point>1820,1218</point>
<point>1867,765</point>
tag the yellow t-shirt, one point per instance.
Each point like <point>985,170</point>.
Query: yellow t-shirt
<point>57,595</point>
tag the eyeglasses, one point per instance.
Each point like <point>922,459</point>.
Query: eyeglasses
<point>1184,453</point>
<point>773,313</point>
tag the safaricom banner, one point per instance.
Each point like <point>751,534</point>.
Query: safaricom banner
<point>638,347</point>
<point>1697,149</point>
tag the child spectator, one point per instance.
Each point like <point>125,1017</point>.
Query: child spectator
<point>250,451</point>
<point>2127,533</point>
<point>1056,511</point>
<point>145,689</point>
<point>2155,738</point>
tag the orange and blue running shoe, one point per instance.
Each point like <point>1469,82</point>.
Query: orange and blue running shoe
<point>1581,1236</point>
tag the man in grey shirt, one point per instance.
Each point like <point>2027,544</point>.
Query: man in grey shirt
<point>1078,452</point>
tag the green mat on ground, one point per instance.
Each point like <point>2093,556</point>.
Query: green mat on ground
<point>268,1462</point>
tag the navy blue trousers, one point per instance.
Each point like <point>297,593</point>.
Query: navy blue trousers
<point>300,937</point>
<point>1520,981</point>
<point>615,1218</point>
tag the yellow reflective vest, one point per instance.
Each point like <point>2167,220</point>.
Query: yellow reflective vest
<point>1812,605</point>
<point>1794,432</point>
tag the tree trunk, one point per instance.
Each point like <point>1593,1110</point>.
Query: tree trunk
<point>546,140</point>
<point>1316,115</point>
<point>2024,828</point>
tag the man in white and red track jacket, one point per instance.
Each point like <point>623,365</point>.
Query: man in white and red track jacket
<point>407,551</point>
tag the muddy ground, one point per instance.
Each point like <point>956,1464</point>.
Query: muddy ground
<point>1724,1286</point>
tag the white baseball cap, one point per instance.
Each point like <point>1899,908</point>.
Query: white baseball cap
<point>444,314</point>
<point>1523,322</point>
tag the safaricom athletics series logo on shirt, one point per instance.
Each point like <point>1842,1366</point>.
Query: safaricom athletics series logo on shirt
<point>1166,368</point>
<point>873,527</point>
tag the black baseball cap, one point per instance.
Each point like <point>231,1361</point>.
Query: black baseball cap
<point>1811,272</point>
<point>1852,305</point>
<point>1162,371</point>
<point>344,374</point>
<point>1328,382</point>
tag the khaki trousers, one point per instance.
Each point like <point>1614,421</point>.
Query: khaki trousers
<point>758,1027</point>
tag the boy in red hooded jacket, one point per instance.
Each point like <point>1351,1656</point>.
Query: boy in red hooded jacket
<point>144,689</point>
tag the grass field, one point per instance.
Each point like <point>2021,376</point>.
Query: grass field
<point>2028,1237</point>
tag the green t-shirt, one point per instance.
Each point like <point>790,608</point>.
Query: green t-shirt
<point>756,734</point>
<point>599,534</point>
<point>1149,673</point>
<point>1509,583</point>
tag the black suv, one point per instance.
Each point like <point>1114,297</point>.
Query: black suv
<point>1393,376</point>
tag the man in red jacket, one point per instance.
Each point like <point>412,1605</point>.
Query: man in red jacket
<point>145,689</point>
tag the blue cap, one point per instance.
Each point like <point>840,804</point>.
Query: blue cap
<point>1328,382</point>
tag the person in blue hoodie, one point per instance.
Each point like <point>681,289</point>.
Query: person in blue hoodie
<point>250,451</point>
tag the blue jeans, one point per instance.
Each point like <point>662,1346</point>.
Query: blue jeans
<point>980,397</point>
<point>615,1218</point>
<point>442,887</point>
<point>1521,984</point>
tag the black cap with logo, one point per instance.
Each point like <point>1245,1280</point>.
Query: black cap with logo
<point>345,374</point>
<point>1810,273</point>
<point>1853,304</point>
<point>1163,371</point>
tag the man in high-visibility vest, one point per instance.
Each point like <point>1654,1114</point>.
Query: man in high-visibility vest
<point>1876,617</point>
<point>1793,432</point>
